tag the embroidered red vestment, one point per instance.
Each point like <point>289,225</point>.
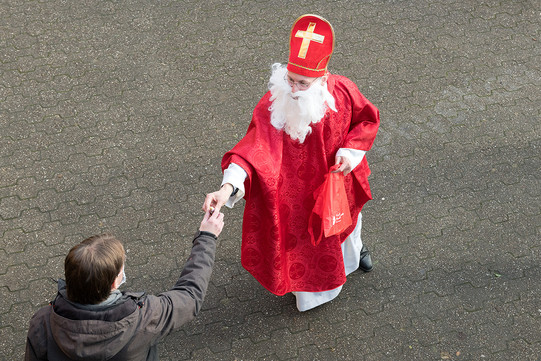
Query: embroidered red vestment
<point>282,177</point>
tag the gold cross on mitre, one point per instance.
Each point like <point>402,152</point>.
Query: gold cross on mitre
<point>308,36</point>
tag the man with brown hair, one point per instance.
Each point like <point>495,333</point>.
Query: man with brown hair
<point>90,319</point>
<point>92,266</point>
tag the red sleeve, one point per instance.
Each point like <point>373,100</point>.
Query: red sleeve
<point>364,119</point>
<point>233,157</point>
<point>254,152</point>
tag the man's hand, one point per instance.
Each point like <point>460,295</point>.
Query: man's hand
<point>345,165</point>
<point>214,201</point>
<point>212,223</point>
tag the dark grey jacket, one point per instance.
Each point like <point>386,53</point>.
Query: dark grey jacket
<point>130,328</point>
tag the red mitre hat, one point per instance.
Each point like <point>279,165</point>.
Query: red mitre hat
<point>311,44</point>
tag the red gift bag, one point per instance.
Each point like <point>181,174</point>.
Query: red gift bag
<point>330,215</point>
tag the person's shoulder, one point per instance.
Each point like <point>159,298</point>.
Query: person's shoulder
<point>262,107</point>
<point>342,80</point>
<point>37,336</point>
<point>39,319</point>
<point>265,99</point>
<point>339,84</point>
<point>43,311</point>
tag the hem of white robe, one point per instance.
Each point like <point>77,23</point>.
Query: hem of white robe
<point>351,252</point>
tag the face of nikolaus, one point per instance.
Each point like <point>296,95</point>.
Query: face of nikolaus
<point>297,101</point>
<point>299,82</point>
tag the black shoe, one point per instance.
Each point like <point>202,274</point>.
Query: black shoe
<point>365,263</point>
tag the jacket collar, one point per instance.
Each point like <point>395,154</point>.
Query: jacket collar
<point>113,309</point>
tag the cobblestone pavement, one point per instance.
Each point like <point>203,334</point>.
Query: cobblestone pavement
<point>114,116</point>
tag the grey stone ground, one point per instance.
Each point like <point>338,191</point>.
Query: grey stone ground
<point>114,116</point>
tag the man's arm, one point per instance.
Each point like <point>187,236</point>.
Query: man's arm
<point>172,309</point>
<point>362,128</point>
<point>364,119</point>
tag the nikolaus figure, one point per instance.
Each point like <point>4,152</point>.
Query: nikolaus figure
<point>308,121</point>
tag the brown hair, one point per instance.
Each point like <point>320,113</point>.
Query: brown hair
<point>91,268</point>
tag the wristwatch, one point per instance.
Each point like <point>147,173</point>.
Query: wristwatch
<point>235,189</point>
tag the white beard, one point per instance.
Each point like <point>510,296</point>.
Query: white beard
<point>296,112</point>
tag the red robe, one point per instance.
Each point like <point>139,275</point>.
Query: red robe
<point>282,177</point>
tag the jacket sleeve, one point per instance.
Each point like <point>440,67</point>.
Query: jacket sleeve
<point>172,309</point>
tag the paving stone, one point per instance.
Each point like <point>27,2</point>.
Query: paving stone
<point>114,117</point>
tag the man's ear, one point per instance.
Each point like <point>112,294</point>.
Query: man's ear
<point>324,78</point>
<point>116,281</point>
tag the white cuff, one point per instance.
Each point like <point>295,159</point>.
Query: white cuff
<point>235,175</point>
<point>354,156</point>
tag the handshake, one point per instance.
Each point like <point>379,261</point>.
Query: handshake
<point>213,221</point>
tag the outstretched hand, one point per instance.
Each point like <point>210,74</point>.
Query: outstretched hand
<point>215,200</point>
<point>212,222</point>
